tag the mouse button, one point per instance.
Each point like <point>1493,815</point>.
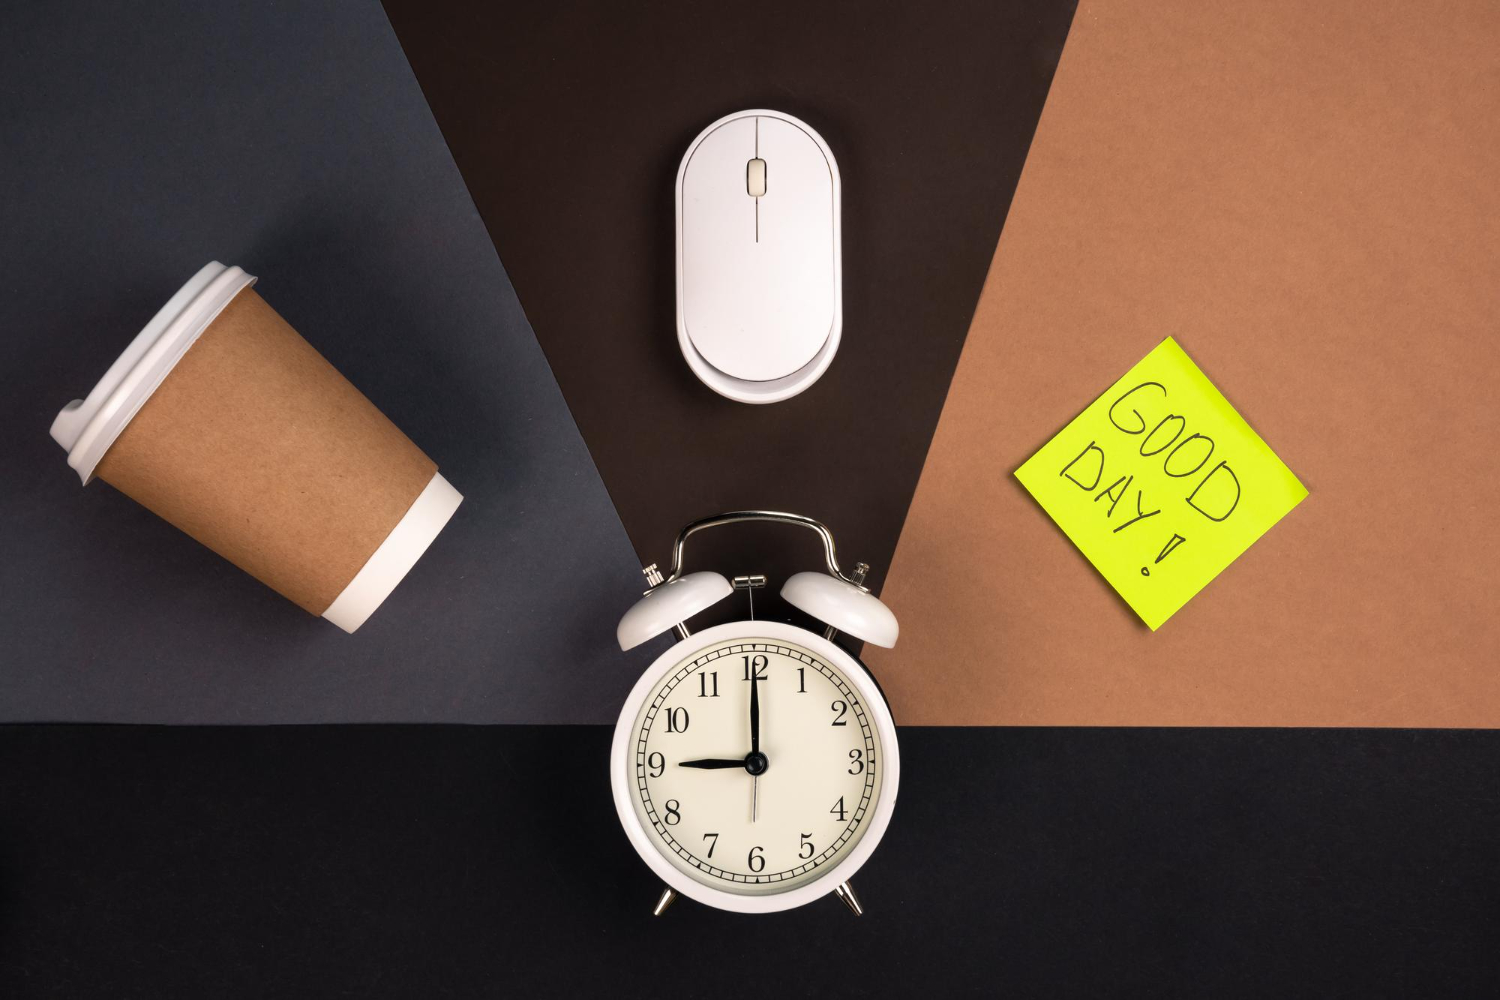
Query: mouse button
<point>715,165</point>
<point>802,171</point>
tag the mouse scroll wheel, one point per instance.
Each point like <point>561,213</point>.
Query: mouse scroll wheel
<point>755,177</point>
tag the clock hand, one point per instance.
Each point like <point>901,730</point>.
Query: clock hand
<point>754,742</point>
<point>712,763</point>
<point>754,711</point>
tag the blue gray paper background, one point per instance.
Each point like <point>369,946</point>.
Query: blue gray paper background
<point>138,142</point>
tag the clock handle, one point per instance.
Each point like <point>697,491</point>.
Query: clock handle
<point>830,555</point>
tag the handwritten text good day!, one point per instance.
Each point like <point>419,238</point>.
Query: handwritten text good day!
<point>1201,485</point>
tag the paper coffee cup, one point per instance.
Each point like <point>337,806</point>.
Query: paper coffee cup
<point>221,419</point>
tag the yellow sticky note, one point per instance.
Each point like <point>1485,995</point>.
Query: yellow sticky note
<point>1161,483</point>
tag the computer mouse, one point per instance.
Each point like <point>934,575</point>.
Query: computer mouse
<point>759,257</point>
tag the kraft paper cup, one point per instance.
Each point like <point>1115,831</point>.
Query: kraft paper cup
<point>221,419</point>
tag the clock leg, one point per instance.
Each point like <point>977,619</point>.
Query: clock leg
<point>668,896</point>
<point>845,891</point>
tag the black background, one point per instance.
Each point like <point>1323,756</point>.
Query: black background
<point>466,861</point>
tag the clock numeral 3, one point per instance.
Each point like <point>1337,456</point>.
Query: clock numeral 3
<point>839,810</point>
<point>715,843</point>
<point>677,720</point>
<point>856,762</point>
<point>842,708</point>
<point>705,689</point>
<point>674,812</point>
<point>756,861</point>
<point>758,663</point>
<point>657,763</point>
<point>806,848</point>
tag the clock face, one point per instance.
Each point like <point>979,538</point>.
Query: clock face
<point>748,816</point>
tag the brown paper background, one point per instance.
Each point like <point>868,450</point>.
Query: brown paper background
<point>1306,197</point>
<point>258,448</point>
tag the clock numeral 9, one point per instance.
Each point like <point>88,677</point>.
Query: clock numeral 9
<point>657,763</point>
<point>756,861</point>
<point>758,663</point>
<point>857,762</point>
<point>674,812</point>
<point>677,720</point>
<point>806,849</point>
<point>715,843</point>
<point>839,811</point>
<point>705,689</point>
<point>842,708</point>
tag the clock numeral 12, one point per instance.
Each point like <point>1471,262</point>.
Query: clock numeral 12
<point>705,689</point>
<point>758,663</point>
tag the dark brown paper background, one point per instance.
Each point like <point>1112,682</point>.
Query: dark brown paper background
<point>1306,197</point>
<point>569,120</point>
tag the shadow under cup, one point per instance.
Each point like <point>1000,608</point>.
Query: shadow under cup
<point>221,419</point>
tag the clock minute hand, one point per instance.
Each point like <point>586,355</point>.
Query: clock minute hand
<point>754,711</point>
<point>754,743</point>
<point>713,763</point>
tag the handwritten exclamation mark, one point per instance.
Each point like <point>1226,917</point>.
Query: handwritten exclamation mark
<point>1172,543</point>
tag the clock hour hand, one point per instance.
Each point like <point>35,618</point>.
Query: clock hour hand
<point>713,763</point>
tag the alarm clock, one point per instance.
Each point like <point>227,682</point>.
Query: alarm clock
<point>755,764</point>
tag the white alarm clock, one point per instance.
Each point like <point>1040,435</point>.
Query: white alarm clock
<point>755,764</point>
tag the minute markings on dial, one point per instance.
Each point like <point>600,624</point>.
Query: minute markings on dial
<point>860,725</point>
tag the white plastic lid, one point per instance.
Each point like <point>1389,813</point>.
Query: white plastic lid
<point>87,428</point>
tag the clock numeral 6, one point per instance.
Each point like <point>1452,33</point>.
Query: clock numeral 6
<point>839,810</point>
<point>677,720</point>
<point>756,861</point>
<point>806,849</point>
<point>674,812</point>
<point>715,843</point>
<point>758,663</point>
<point>657,763</point>
<point>857,761</point>
<point>842,709</point>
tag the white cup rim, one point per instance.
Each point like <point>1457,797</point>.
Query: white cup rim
<point>87,427</point>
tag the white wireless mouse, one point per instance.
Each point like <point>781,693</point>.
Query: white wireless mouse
<point>759,270</point>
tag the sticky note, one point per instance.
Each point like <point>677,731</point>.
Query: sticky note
<point>1161,483</point>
